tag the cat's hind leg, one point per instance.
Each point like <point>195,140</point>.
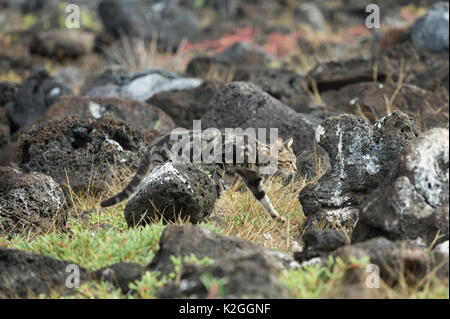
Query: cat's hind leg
<point>254,183</point>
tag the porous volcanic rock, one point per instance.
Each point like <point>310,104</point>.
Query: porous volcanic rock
<point>172,191</point>
<point>25,275</point>
<point>185,106</point>
<point>183,241</point>
<point>243,105</point>
<point>145,18</point>
<point>29,203</point>
<point>34,97</point>
<point>361,156</point>
<point>412,202</point>
<point>140,116</point>
<point>393,259</point>
<point>85,153</point>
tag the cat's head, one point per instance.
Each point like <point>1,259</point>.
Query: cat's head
<point>287,161</point>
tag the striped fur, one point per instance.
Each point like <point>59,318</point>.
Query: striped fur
<point>160,152</point>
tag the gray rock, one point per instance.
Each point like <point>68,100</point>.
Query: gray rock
<point>431,30</point>
<point>412,202</point>
<point>5,135</point>
<point>119,275</point>
<point>182,241</point>
<point>36,94</point>
<point>442,248</point>
<point>62,43</point>
<point>360,156</point>
<point>140,86</point>
<point>246,275</point>
<point>86,153</point>
<point>185,106</point>
<point>319,244</point>
<point>139,115</point>
<point>172,191</point>
<point>29,203</point>
<point>8,92</point>
<point>25,275</point>
<point>241,53</point>
<point>144,18</point>
<point>286,86</point>
<point>394,259</point>
<point>243,105</point>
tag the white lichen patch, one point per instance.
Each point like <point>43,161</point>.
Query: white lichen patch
<point>96,110</point>
<point>162,174</point>
<point>341,215</point>
<point>423,161</point>
<point>319,132</point>
<point>442,248</point>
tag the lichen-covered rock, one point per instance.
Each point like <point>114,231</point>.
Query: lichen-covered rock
<point>244,105</point>
<point>84,153</point>
<point>139,115</point>
<point>431,30</point>
<point>25,275</point>
<point>34,97</point>
<point>140,86</point>
<point>29,203</point>
<point>393,259</point>
<point>319,244</point>
<point>360,156</point>
<point>172,191</point>
<point>185,106</point>
<point>412,202</point>
<point>182,241</point>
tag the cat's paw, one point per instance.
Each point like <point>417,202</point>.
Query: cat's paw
<point>281,219</point>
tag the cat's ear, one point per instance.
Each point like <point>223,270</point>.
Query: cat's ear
<point>277,145</point>
<point>289,142</point>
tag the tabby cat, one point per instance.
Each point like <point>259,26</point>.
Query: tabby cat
<point>249,158</point>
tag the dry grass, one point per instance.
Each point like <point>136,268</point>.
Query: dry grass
<point>137,54</point>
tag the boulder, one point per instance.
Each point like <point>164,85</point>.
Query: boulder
<point>185,106</point>
<point>5,131</point>
<point>8,92</point>
<point>139,115</point>
<point>412,202</point>
<point>145,18</point>
<point>361,156</point>
<point>140,86</point>
<point>36,94</point>
<point>62,43</point>
<point>30,204</point>
<point>183,241</point>
<point>86,153</point>
<point>243,105</point>
<point>320,244</point>
<point>431,30</point>
<point>119,275</point>
<point>25,275</point>
<point>369,100</point>
<point>245,275</point>
<point>172,191</point>
<point>393,260</point>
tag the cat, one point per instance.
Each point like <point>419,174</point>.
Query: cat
<point>240,153</point>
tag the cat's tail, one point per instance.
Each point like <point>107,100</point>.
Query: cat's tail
<point>130,188</point>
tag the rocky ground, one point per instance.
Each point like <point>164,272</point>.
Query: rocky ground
<point>368,110</point>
